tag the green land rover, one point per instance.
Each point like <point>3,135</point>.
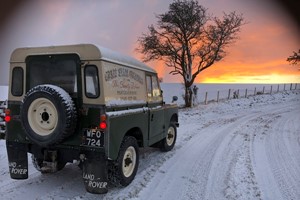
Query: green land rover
<point>87,104</point>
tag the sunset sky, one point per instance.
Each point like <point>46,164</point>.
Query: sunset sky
<point>259,56</point>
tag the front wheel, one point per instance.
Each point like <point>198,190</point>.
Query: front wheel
<point>125,167</point>
<point>168,142</point>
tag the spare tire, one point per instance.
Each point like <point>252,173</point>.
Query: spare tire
<point>48,115</point>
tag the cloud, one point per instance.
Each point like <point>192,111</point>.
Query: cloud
<point>264,43</point>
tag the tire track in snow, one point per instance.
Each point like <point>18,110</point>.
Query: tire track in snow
<point>241,180</point>
<point>241,175</point>
<point>232,172</point>
<point>284,162</point>
<point>275,153</point>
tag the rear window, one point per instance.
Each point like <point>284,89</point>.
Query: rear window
<point>91,81</point>
<point>59,70</point>
<point>17,81</point>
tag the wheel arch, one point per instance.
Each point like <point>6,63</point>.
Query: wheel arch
<point>174,118</point>
<point>136,132</point>
<point>115,143</point>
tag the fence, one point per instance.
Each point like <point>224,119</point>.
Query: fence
<point>244,93</point>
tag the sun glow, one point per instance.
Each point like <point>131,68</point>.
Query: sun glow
<point>273,78</point>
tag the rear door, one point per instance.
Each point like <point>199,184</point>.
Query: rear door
<point>62,70</point>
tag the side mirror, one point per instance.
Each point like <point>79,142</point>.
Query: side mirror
<point>175,98</point>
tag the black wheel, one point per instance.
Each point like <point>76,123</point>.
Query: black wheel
<point>168,142</point>
<point>39,165</point>
<point>123,170</point>
<point>48,115</point>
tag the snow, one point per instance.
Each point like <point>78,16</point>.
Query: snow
<point>131,111</point>
<point>116,57</point>
<point>3,93</point>
<point>245,148</point>
<point>177,89</point>
<point>120,102</point>
<point>64,95</point>
<point>125,112</point>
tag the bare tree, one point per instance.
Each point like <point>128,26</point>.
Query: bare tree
<point>294,59</point>
<point>189,40</point>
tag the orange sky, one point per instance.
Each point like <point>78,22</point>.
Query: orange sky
<point>259,56</point>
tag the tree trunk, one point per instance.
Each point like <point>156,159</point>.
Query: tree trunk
<point>188,97</point>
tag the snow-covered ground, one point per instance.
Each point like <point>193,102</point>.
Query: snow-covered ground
<point>238,149</point>
<point>3,93</point>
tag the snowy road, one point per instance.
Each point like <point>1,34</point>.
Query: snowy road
<point>237,149</point>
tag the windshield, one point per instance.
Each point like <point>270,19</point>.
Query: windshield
<point>59,70</point>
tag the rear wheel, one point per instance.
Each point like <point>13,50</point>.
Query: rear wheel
<point>123,170</point>
<point>44,168</point>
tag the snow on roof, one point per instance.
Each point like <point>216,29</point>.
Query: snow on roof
<point>85,52</point>
<point>115,57</point>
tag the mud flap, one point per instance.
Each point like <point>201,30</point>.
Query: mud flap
<point>94,174</point>
<point>17,160</point>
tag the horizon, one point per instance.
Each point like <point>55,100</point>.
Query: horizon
<point>210,88</point>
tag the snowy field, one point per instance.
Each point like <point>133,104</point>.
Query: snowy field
<point>3,93</point>
<point>244,148</point>
<point>177,89</point>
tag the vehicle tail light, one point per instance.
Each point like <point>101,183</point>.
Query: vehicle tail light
<point>103,124</point>
<point>7,117</point>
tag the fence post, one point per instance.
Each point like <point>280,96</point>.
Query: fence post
<point>295,86</point>
<point>254,91</point>
<point>263,89</point>
<point>218,95</point>
<point>206,98</point>
<point>291,86</point>
<point>271,89</point>
<point>246,93</point>
<point>278,88</point>
<point>229,94</point>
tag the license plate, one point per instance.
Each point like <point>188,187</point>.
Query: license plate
<point>93,137</point>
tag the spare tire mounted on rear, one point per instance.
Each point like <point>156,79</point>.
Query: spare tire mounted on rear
<point>48,114</point>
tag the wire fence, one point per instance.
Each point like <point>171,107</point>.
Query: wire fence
<point>233,93</point>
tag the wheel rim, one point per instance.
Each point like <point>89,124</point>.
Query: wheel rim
<point>129,161</point>
<point>42,116</point>
<point>170,136</point>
